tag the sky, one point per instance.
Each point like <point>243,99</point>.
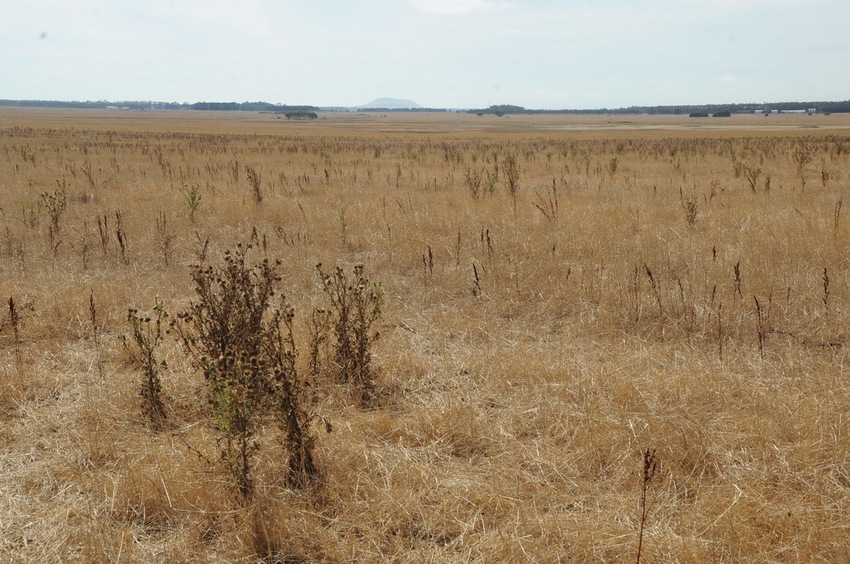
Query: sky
<point>541,54</point>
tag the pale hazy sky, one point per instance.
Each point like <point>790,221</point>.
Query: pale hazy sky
<point>440,53</point>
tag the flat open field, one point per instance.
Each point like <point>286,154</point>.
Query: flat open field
<point>364,123</point>
<point>601,339</point>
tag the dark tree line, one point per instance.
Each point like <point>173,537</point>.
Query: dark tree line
<point>717,110</point>
<point>248,107</point>
<point>149,105</point>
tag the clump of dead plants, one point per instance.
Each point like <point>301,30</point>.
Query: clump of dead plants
<point>355,305</point>
<point>148,333</point>
<point>239,331</point>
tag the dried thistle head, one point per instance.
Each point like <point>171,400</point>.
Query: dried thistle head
<point>651,464</point>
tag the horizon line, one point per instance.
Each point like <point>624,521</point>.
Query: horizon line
<point>329,107</point>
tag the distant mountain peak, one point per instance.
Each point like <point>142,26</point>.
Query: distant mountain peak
<point>391,104</point>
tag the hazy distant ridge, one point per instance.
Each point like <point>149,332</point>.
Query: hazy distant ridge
<point>391,104</point>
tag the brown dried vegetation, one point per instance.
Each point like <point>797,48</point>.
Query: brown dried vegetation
<point>632,297</point>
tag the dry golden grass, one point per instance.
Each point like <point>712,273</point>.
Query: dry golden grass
<point>644,295</point>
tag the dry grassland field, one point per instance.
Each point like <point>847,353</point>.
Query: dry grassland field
<point>532,338</point>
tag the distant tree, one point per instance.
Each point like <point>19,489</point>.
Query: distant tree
<point>503,109</point>
<point>301,114</point>
<point>508,109</point>
<point>215,106</point>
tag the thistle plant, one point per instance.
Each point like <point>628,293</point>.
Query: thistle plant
<point>356,304</point>
<point>510,170</point>
<point>55,203</point>
<point>147,334</point>
<point>239,331</point>
<point>192,197</point>
<point>254,179</point>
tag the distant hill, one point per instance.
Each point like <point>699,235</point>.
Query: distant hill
<point>391,104</point>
